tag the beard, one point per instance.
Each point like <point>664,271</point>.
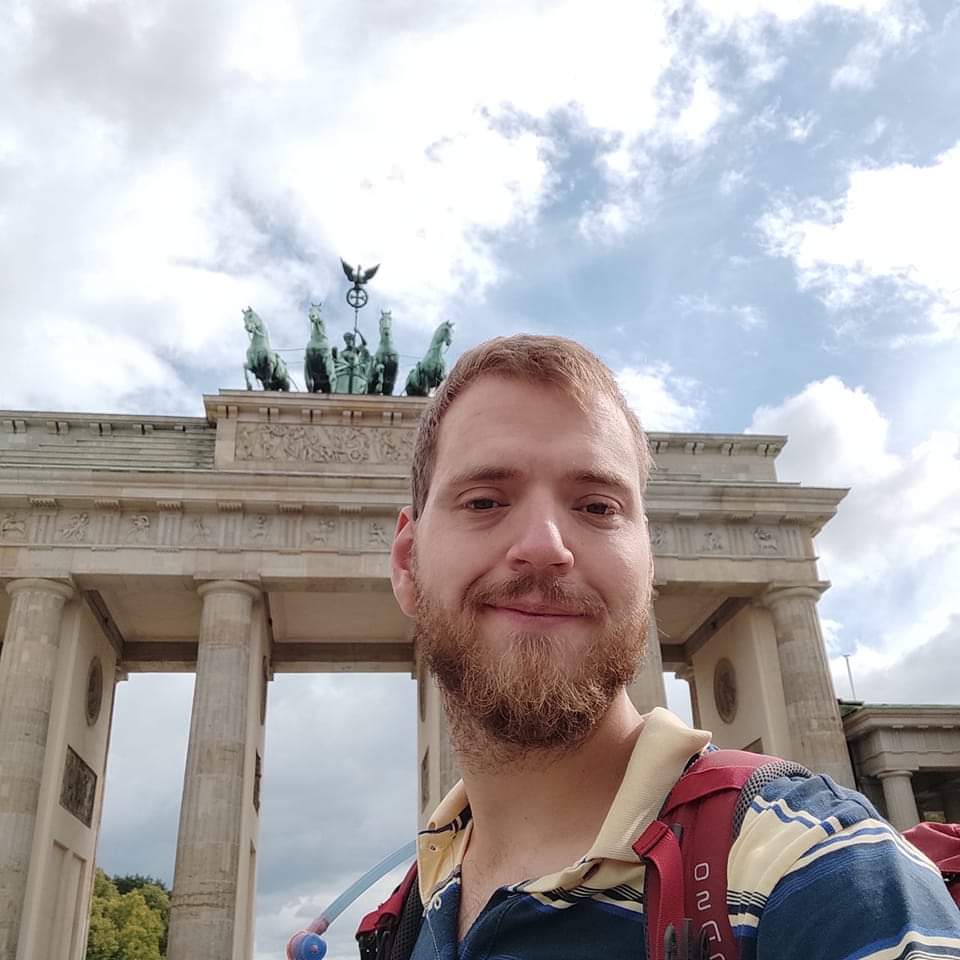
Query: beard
<point>536,693</point>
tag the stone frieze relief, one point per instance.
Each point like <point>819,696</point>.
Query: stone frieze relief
<point>346,531</point>
<point>313,443</point>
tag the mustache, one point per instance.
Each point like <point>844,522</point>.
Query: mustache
<point>551,590</point>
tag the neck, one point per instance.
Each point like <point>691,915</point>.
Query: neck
<point>545,801</point>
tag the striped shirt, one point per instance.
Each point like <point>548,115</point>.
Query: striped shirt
<point>814,874</point>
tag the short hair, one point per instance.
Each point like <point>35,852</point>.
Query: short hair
<point>541,360</point>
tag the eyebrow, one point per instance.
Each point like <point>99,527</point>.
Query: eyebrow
<point>598,478</point>
<point>495,474</point>
<point>482,474</point>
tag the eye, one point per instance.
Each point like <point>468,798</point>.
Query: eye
<point>600,508</point>
<point>482,503</point>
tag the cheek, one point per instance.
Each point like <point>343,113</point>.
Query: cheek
<point>440,567</point>
<point>624,579</point>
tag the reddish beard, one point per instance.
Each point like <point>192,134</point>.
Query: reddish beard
<point>535,695</point>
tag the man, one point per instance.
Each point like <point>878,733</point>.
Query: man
<point>526,563</point>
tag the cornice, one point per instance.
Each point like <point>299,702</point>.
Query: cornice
<point>886,716</point>
<point>356,409</point>
<point>16,421</point>
<point>727,444</point>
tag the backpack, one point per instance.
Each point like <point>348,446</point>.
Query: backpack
<point>685,851</point>
<point>941,843</point>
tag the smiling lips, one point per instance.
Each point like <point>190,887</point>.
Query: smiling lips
<point>538,610</point>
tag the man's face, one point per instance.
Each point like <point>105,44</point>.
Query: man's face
<point>529,570</point>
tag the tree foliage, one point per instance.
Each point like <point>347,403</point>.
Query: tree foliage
<point>128,918</point>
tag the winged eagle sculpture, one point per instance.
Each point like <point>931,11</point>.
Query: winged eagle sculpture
<point>357,275</point>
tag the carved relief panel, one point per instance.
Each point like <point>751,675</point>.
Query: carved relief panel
<point>315,444</point>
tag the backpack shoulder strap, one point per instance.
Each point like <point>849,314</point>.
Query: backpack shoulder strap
<point>687,848</point>
<point>378,932</point>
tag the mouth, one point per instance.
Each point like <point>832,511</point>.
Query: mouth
<point>534,613</point>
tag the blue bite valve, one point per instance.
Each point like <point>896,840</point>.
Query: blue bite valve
<point>306,946</point>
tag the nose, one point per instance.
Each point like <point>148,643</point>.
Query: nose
<point>538,541</point>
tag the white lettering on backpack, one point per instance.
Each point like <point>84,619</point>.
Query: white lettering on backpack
<point>713,931</point>
<point>701,873</point>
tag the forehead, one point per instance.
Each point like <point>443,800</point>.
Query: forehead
<point>505,422</point>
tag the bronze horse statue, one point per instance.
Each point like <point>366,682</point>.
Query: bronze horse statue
<point>383,367</point>
<point>265,364</point>
<point>429,372</point>
<point>318,367</point>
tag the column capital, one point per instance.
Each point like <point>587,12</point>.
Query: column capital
<point>685,672</point>
<point>229,586</point>
<point>41,584</point>
<point>777,592</point>
<point>888,774</point>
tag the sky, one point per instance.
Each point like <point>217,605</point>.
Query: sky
<point>750,209</point>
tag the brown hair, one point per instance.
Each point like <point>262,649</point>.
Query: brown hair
<point>549,361</point>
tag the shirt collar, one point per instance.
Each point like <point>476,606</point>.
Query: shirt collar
<point>663,747</point>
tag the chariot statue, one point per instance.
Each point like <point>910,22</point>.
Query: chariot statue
<point>352,364</point>
<point>351,369</point>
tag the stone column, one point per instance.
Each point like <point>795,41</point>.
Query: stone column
<point>647,690</point>
<point>901,803</point>
<point>812,713</point>
<point>203,914</point>
<point>686,672</point>
<point>951,804</point>
<point>28,667</point>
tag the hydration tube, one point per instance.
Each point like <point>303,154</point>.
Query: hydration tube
<point>308,944</point>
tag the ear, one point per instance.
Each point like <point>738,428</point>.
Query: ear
<point>401,563</point>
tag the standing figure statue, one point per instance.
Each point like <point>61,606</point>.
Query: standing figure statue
<point>318,368</point>
<point>265,364</point>
<point>352,364</point>
<point>428,374</point>
<point>383,367</point>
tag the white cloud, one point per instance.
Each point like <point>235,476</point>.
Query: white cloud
<point>885,27</point>
<point>745,315</point>
<point>800,127</point>
<point>927,673</point>
<point>894,28</point>
<point>702,112</point>
<point>726,11</point>
<point>662,399</point>
<point>895,542</point>
<point>897,225</point>
<point>731,181</point>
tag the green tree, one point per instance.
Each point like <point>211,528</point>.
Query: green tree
<point>130,925</point>
<point>134,881</point>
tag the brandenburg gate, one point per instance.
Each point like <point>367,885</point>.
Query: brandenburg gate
<point>255,540</point>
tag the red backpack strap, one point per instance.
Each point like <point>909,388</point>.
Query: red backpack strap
<point>380,924</point>
<point>663,900</point>
<point>686,850</point>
